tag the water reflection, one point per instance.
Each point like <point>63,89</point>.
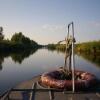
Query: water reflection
<point>58,50</point>
<point>1,61</point>
<point>16,68</point>
<point>17,57</point>
<point>93,58</point>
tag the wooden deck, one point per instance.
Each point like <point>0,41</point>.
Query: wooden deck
<point>31,90</point>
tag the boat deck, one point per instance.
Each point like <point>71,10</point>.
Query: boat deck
<point>32,90</point>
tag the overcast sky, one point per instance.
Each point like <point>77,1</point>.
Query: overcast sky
<point>45,21</point>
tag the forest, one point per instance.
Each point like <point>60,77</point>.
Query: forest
<point>18,42</point>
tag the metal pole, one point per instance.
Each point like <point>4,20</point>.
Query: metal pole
<point>73,60</point>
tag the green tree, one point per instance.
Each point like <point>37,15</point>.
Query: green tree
<point>20,38</point>
<point>1,33</point>
<point>17,37</point>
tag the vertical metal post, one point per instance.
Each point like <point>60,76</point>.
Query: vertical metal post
<point>73,60</point>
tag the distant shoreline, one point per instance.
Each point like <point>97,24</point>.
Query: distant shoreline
<point>86,47</point>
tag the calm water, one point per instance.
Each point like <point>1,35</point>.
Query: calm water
<point>15,68</point>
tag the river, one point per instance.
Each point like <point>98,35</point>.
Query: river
<point>16,68</point>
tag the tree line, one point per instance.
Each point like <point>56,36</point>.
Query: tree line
<point>89,47</point>
<point>18,42</point>
<point>86,47</point>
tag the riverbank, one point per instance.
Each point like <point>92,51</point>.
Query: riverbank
<point>18,42</point>
<point>92,47</point>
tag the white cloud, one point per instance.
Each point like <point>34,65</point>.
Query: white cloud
<point>53,27</point>
<point>95,23</point>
